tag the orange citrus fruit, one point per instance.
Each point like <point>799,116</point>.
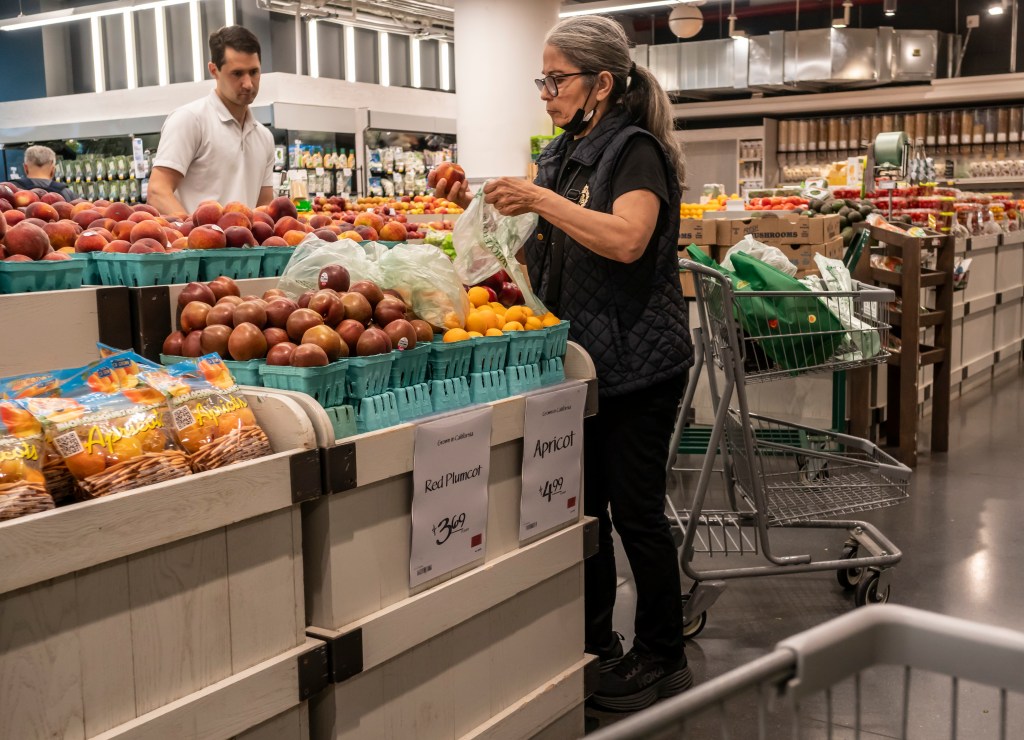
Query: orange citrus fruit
<point>456,335</point>
<point>513,326</point>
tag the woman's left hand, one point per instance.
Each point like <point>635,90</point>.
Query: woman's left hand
<point>512,196</point>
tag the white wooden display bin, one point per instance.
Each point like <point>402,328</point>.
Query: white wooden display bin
<point>493,649</point>
<point>60,328</point>
<point>170,611</point>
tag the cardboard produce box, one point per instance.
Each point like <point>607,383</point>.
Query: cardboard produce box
<point>779,230</point>
<point>696,231</point>
<point>802,255</point>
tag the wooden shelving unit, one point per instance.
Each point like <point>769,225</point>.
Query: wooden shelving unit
<point>904,376</point>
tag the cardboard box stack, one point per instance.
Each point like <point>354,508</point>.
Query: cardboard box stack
<point>800,237</point>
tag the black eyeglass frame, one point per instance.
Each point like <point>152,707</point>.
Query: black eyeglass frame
<point>554,79</point>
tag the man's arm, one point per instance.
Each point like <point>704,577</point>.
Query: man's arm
<point>163,181</point>
<point>266,195</point>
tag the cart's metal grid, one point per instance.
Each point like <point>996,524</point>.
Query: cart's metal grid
<point>887,671</point>
<point>785,474</point>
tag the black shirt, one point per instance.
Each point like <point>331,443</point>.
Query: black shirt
<point>51,186</point>
<point>640,168</point>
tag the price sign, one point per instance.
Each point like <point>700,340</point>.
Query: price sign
<point>552,460</point>
<point>451,466</point>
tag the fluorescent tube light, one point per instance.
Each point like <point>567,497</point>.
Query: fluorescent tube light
<point>163,75</point>
<point>71,15</point>
<point>446,72</point>
<point>314,49</point>
<point>129,50</point>
<point>350,53</point>
<point>196,24</point>
<point>229,12</point>
<point>385,58</point>
<point>414,62</point>
<point>605,7</point>
<point>97,54</point>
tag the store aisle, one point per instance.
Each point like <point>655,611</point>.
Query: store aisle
<point>959,533</point>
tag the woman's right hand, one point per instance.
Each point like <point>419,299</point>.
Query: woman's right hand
<point>459,192</point>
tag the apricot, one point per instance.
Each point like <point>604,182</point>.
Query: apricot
<point>86,464</point>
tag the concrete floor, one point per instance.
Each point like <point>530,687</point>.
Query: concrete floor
<point>962,556</point>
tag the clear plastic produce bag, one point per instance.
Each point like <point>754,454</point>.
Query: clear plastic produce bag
<point>311,255</point>
<point>769,255</point>
<point>427,281</point>
<point>486,241</point>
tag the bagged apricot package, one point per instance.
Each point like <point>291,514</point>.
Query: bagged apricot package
<point>112,442</point>
<point>22,490</point>
<point>212,420</point>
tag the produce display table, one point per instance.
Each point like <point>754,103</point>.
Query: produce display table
<point>60,328</point>
<point>174,610</point>
<point>493,649</point>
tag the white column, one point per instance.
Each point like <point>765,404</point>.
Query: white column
<point>498,48</point>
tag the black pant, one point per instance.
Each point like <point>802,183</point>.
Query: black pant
<point>625,453</point>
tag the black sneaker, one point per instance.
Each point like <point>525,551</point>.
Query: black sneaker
<point>609,655</point>
<point>639,680</point>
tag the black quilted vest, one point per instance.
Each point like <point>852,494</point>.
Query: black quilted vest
<point>631,318</point>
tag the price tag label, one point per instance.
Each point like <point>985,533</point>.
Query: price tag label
<point>451,467</point>
<point>138,158</point>
<point>552,460</point>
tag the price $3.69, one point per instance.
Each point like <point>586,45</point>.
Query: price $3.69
<point>449,526</point>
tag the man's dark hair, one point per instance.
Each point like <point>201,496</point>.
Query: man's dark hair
<point>236,37</point>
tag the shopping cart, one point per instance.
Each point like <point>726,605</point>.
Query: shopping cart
<point>889,671</point>
<point>778,473</point>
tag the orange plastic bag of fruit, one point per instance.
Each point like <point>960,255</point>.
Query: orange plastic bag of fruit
<point>22,488</point>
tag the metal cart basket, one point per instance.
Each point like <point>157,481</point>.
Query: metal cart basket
<point>778,473</point>
<point>888,671</point>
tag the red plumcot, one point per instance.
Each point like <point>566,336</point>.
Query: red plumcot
<point>193,316</point>
<point>247,342</point>
<point>371,291</point>
<point>223,286</point>
<point>280,354</point>
<point>192,347</point>
<point>402,334</point>
<point>250,312</point>
<point>387,310</point>
<point>335,277</point>
<point>424,332</point>
<point>373,342</point>
<point>309,355</point>
<point>350,330</point>
<point>326,339</point>
<point>278,311</point>
<point>172,345</point>
<point>305,298</point>
<point>301,321</point>
<point>329,305</point>
<point>196,292</point>
<point>357,307</point>
<point>215,339</point>
<point>223,314</point>
<point>275,336</point>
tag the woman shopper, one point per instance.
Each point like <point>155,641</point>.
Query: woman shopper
<point>605,257</point>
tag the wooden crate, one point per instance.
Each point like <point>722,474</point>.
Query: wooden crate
<point>398,652</point>
<point>170,611</point>
<point>154,312</point>
<point>60,328</point>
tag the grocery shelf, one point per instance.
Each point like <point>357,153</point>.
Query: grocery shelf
<point>929,318</point>
<point>1010,181</point>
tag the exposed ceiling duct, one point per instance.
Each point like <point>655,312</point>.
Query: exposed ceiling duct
<point>417,18</point>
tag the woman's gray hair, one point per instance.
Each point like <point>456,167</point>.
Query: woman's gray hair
<point>597,43</point>
<point>40,156</point>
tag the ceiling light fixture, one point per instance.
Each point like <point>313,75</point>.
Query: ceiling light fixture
<point>197,45</point>
<point>385,58</point>
<point>96,32</point>
<point>616,7</point>
<point>71,15</point>
<point>889,8</point>
<point>129,50</point>
<point>163,74</point>
<point>414,62</point>
<point>446,72</point>
<point>733,33</point>
<point>314,48</point>
<point>997,8</point>
<point>350,53</point>
<point>844,22</point>
<point>686,21</point>
<point>229,12</point>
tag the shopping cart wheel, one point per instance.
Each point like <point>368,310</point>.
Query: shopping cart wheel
<point>868,592</point>
<point>695,626</point>
<point>849,577</point>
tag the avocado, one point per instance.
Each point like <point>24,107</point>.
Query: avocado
<point>854,217</point>
<point>816,204</point>
<point>847,234</point>
<point>851,203</point>
<point>866,210</point>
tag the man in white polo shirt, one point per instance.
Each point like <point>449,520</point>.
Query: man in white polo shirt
<point>213,148</point>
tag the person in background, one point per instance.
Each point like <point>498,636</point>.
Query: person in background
<point>605,257</point>
<point>213,148</point>
<point>40,166</point>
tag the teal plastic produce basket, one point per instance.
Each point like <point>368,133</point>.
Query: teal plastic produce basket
<point>142,270</point>
<point>237,264</point>
<point>325,384</point>
<point>32,277</point>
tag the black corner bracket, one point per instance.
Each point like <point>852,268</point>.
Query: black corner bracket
<point>314,672</point>
<point>344,654</point>
<point>307,483</point>
<point>339,468</point>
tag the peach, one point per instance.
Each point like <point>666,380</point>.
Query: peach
<point>274,241</point>
<point>366,218</point>
<point>118,211</point>
<point>261,231</point>
<point>259,215</point>
<point>24,198</point>
<point>13,216</point>
<point>17,258</point>
<point>207,237</point>
<point>67,250</point>
<point>207,213</point>
<point>90,241</point>
<point>104,233</point>
<point>118,245</point>
<point>85,217</point>
<point>287,224</point>
<point>56,256</point>
<point>83,205</point>
<point>292,238</point>
<point>35,222</point>
<point>122,229</point>
<point>101,204</point>
<point>393,231</point>
<point>147,208</point>
<point>319,221</point>
<point>52,198</point>
<point>368,233</point>
<point>353,235</point>
<point>28,240</point>
<point>325,234</point>
<point>148,230</point>
<point>237,207</point>
<point>281,207</point>
<point>61,233</point>
<point>146,245</point>
<point>179,244</point>
<point>172,234</point>
<point>5,205</point>
<point>103,223</point>
<point>239,236</point>
<point>186,226</point>
<point>140,216</point>
<point>42,211</point>
<point>234,218</point>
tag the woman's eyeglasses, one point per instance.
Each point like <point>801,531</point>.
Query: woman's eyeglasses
<point>550,83</point>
